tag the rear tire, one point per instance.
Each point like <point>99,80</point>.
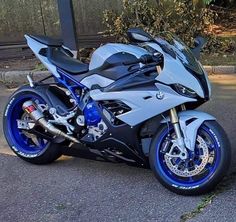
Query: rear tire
<point>222,159</point>
<point>36,155</point>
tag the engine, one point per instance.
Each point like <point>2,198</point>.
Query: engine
<point>90,124</point>
<point>82,124</point>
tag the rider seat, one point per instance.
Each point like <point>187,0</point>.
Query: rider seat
<point>60,59</point>
<point>58,56</point>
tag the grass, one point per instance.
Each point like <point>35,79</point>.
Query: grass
<point>209,198</point>
<point>219,59</point>
<point>40,67</point>
<point>224,59</point>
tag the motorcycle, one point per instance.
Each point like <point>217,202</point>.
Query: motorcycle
<point>133,103</point>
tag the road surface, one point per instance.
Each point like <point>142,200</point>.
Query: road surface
<point>76,189</point>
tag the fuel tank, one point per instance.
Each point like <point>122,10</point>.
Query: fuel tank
<point>114,52</point>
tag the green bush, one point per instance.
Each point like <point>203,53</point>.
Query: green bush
<point>180,17</point>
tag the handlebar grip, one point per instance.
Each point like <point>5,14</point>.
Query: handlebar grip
<point>146,59</point>
<point>143,59</point>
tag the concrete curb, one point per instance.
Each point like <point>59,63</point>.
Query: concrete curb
<point>220,69</point>
<point>19,77</point>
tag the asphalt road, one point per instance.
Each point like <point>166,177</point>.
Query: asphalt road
<point>76,189</point>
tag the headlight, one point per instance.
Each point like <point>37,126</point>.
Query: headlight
<point>184,91</point>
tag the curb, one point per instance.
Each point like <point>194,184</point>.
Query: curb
<point>19,77</point>
<point>220,69</point>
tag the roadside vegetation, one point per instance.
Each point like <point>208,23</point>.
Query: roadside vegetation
<point>212,19</point>
<point>186,19</point>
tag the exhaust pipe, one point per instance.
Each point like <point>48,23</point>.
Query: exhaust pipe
<point>31,109</point>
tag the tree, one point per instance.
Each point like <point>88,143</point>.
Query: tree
<point>223,3</point>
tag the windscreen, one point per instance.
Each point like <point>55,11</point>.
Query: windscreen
<point>172,45</point>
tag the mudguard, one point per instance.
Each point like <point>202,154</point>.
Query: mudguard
<point>49,95</point>
<point>190,121</point>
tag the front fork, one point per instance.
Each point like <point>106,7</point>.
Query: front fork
<point>179,135</point>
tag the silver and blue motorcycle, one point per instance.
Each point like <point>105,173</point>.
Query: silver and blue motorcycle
<point>133,103</point>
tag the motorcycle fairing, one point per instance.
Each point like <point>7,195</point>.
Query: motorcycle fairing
<point>101,54</point>
<point>142,109</point>
<point>144,104</point>
<point>36,47</point>
<point>174,72</point>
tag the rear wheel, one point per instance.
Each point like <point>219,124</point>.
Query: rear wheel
<point>26,145</point>
<point>202,170</point>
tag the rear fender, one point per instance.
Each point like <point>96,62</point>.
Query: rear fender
<point>52,95</point>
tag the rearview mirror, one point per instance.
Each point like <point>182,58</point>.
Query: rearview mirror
<point>199,43</point>
<point>138,35</point>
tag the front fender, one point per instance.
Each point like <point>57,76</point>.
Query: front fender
<point>190,121</point>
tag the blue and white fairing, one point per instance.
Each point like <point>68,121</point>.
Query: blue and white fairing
<point>179,62</point>
<point>175,71</point>
<point>181,66</point>
<point>104,52</point>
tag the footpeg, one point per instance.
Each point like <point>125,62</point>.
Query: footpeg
<point>25,125</point>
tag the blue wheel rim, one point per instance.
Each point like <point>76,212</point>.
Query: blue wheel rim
<point>208,171</point>
<point>20,142</point>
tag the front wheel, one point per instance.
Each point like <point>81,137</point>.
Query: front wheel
<point>202,170</point>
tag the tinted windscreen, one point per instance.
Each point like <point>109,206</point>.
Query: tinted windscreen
<point>172,45</point>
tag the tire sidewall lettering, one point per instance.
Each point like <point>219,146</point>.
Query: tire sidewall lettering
<point>8,106</point>
<point>216,138</point>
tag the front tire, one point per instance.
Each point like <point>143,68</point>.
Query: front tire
<point>32,149</point>
<point>216,168</point>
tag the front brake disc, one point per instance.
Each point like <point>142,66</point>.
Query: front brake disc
<point>181,169</point>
